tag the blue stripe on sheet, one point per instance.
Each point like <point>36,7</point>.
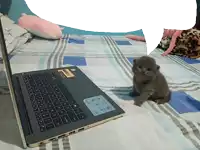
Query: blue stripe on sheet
<point>9,57</point>
<point>130,59</point>
<point>180,102</point>
<point>76,41</point>
<point>74,60</point>
<point>122,42</point>
<point>184,103</point>
<point>190,60</point>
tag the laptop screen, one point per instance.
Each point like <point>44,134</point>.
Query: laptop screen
<point>6,63</point>
<point>5,56</point>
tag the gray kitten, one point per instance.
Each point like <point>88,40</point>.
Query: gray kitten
<point>148,82</point>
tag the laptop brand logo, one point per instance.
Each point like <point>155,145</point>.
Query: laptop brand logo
<point>66,73</point>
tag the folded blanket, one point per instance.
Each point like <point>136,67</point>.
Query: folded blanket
<point>173,41</point>
<point>186,45</point>
<point>14,35</point>
<point>136,38</point>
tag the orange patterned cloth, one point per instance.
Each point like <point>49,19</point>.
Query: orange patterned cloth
<point>186,45</point>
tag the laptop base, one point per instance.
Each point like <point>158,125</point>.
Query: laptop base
<point>75,85</point>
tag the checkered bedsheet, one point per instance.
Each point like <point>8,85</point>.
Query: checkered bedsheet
<point>107,61</point>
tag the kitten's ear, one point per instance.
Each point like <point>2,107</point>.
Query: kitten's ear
<point>134,61</point>
<point>158,67</point>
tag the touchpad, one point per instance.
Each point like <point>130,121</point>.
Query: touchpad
<point>98,105</point>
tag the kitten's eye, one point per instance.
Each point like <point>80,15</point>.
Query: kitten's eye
<point>139,67</point>
<point>148,69</point>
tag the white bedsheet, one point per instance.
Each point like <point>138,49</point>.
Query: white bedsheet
<point>137,130</point>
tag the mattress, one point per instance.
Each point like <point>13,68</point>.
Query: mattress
<point>107,61</point>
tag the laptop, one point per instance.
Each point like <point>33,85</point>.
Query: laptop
<point>54,103</point>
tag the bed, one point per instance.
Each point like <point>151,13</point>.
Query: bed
<point>107,61</point>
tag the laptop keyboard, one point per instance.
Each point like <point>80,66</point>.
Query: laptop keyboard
<point>52,107</point>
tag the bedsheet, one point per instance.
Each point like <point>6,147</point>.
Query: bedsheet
<point>107,61</point>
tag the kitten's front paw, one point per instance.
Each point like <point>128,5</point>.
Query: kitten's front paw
<point>138,101</point>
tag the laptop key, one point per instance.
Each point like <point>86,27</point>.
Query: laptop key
<point>34,102</point>
<point>56,89</point>
<point>43,91</point>
<point>78,110</point>
<point>47,120</point>
<point>41,106</point>
<point>81,116</point>
<point>63,101</point>
<point>56,103</point>
<point>65,104</point>
<point>38,117</point>
<point>52,110</point>
<point>75,106</point>
<point>32,98</point>
<point>40,122</point>
<point>65,119</point>
<point>57,122</point>
<point>61,96</point>
<point>54,115</point>
<point>49,126</point>
<point>45,115</point>
<point>48,101</point>
<point>43,111</point>
<point>50,91</point>
<point>61,112</point>
<point>72,116</point>
<point>30,91</point>
<point>39,84</point>
<point>50,105</point>
<point>35,107</point>
<point>38,96</point>
<point>52,96</point>
<point>67,108</point>
<point>58,107</point>
<point>42,128</point>
<point>37,113</point>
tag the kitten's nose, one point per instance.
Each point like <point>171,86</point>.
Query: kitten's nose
<point>143,70</point>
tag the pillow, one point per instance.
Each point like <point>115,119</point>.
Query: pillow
<point>40,27</point>
<point>136,37</point>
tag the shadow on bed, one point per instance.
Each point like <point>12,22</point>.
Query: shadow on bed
<point>123,93</point>
<point>9,132</point>
<point>180,101</point>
